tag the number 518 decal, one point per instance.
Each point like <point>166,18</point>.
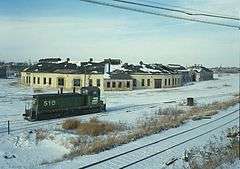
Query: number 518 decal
<point>49,103</point>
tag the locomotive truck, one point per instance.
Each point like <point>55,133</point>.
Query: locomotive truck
<point>49,106</point>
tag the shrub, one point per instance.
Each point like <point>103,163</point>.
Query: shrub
<point>93,127</point>
<point>214,154</point>
<point>41,134</point>
<point>71,124</point>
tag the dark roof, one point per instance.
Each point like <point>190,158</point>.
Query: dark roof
<point>120,76</point>
<point>113,61</point>
<point>91,67</point>
<point>65,67</point>
<point>50,67</point>
<point>148,68</point>
<point>49,60</point>
<point>198,68</point>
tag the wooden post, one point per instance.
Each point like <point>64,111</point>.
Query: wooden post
<point>8,127</point>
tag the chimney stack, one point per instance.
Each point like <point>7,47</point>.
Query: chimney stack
<point>109,66</point>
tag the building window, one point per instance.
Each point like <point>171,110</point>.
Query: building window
<point>76,82</point>
<point>50,81</point>
<point>148,82</point>
<point>28,79</point>
<point>90,82</point>
<point>169,82</point>
<point>60,81</point>
<point>134,82</point>
<point>34,80</point>
<point>44,80</point>
<point>113,84</point>
<point>143,82</point>
<point>38,80</point>
<point>98,82</point>
<point>119,84</point>
<point>108,84</point>
<point>128,84</point>
<point>165,82</point>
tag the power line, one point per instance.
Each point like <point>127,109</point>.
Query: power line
<point>158,141</point>
<point>176,145</point>
<point>159,14</point>
<point>211,14</point>
<point>177,10</point>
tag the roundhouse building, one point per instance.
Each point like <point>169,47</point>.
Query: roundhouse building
<point>109,75</point>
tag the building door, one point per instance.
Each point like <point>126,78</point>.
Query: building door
<point>157,83</point>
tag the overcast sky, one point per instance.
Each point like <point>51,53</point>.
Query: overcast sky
<point>31,29</point>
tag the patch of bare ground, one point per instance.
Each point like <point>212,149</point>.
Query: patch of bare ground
<point>216,153</point>
<point>102,135</point>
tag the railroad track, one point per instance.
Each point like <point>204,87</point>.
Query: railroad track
<point>141,153</point>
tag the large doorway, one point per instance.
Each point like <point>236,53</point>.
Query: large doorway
<point>157,83</point>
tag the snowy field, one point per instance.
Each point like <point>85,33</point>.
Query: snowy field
<point>23,151</point>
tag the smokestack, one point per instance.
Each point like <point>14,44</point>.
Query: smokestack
<point>109,67</point>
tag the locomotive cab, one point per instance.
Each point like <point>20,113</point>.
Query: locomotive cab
<point>93,96</point>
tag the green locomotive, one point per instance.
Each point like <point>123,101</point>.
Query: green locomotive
<point>49,106</point>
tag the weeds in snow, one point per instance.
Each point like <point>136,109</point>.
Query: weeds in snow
<point>100,135</point>
<point>42,134</point>
<point>93,127</point>
<point>215,153</point>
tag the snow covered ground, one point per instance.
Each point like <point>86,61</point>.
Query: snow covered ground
<point>127,107</point>
<point>157,161</point>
